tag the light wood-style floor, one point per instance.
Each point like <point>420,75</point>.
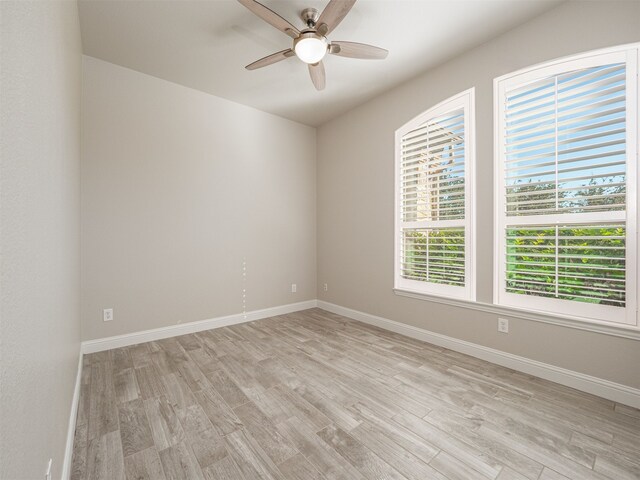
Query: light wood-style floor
<point>313,395</point>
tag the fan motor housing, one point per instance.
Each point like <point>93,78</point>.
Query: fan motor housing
<point>310,16</point>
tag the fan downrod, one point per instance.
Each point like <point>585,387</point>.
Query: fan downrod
<point>310,16</point>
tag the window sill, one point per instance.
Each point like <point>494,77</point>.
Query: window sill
<point>624,331</point>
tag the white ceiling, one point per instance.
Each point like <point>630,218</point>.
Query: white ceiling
<point>206,44</point>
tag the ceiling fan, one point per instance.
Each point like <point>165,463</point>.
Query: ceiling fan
<point>311,44</point>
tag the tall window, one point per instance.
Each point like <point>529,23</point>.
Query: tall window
<point>566,183</point>
<point>434,179</point>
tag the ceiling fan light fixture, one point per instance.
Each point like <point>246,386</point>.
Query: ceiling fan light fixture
<point>310,47</point>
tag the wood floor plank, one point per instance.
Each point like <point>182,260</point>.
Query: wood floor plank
<point>222,417</point>
<point>224,469</point>
<point>179,463</point>
<point>625,410</point>
<point>299,468</point>
<point>140,355</point>
<point>252,461</point>
<point>188,342</point>
<point>469,432</point>
<point>316,395</point>
<point>240,372</point>
<point>79,460</point>
<point>509,474</point>
<point>412,467</point>
<point>82,416</point>
<point>324,458</point>
<point>404,437</point>
<point>104,458</point>
<point>166,429</point>
<point>363,459</point>
<point>543,455</point>
<point>205,442</point>
<point>474,458</point>
<point>126,385</point>
<point>149,381</point>
<point>616,466</point>
<point>267,377</point>
<point>604,451</point>
<point>575,419</point>
<point>194,421</point>
<point>454,469</point>
<point>177,391</point>
<point>299,407</point>
<point>120,359</point>
<point>316,375</point>
<point>626,443</point>
<point>527,423</point>
<point>192,375</point>
<point>144,465</point>
<point>228,390</point>
<point>208,448</point>
<point>270,406</point>
<point>387,397</point>
<point>553,437</point>
<point>548,474</point>
<point>277,447</point>
<point>333,411</point>
<point>428,385</point>
<point>253,351</point>
<point>204,361</point>
<point>103,412</point>
<point>135,432</point>
<point>162,361</point>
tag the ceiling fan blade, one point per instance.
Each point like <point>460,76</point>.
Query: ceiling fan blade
<point>358,50</point>
<point>271,59</point>
<point>332,15</point>
<point>271,17</point>
<point>316,70</point>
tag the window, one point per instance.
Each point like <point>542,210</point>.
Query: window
<point>434,218</point>
<point>566,183</point>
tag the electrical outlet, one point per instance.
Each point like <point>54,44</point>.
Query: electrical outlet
<point>107,314</point>
<point>294,288</point>
<point>47,476</point>
<point>503,325</point>
<point>326,287</point>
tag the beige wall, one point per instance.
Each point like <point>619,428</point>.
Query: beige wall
<point>178,189</point>
<point>39,232</point>
<point>356,189</point>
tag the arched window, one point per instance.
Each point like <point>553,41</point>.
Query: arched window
<point>434,215</point>
<point>566,153</point>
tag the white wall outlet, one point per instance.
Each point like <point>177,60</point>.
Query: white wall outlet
<point>107,314</point>
<point>47,476</point>
<point>503,325</point>
<point>294,288</point>
<point>326,287</point>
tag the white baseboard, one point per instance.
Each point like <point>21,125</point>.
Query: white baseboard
<point>580,381</point>
<point>71,428</point>
<point>101,344</point>
<point>586,383</point>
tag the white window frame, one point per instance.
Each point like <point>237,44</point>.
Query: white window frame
<point>466,101</point>
<point>581,311</point>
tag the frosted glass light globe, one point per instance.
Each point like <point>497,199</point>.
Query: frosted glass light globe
<point>310,48</point>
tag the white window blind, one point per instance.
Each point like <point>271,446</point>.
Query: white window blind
<point>566,151</point>
<point>434,248</point>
